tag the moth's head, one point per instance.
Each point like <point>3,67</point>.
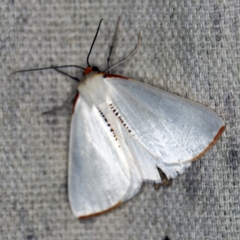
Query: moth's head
<point>90,69</point>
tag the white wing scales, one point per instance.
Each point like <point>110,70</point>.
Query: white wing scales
<point>174,130</point>
<point>152,128</point>
<point>99,173</point>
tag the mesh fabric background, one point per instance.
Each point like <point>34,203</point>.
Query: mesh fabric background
<point>189,48</point>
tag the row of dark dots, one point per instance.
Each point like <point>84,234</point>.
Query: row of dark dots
<point>109,125</point>
<point>119,117</point>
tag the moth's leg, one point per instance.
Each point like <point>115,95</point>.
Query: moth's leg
<point>66,103</point>
<point>66,74</point>
<point>165,181</point>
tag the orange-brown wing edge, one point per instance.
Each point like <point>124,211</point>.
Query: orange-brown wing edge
<point>99,213</point>
<point>211,144</point>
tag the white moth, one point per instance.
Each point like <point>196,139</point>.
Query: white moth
<point>122,130</point>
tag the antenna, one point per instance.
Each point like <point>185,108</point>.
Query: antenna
<point>45,68</point>
<point>114,38</point>
<point>93,43</point>
<point>129,56</point>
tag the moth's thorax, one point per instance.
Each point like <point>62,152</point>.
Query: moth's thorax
<point>88,76</point>
<point>92,87</point>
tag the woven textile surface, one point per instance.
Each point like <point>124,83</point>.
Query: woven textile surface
<point>189,48</point>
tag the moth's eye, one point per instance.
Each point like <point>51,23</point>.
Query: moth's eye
<point>96,69</point>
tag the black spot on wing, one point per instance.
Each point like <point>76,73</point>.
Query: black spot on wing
<point>114,110</point>
<point>109,125</point>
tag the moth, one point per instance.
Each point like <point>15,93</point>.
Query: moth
<point>123,131</point>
